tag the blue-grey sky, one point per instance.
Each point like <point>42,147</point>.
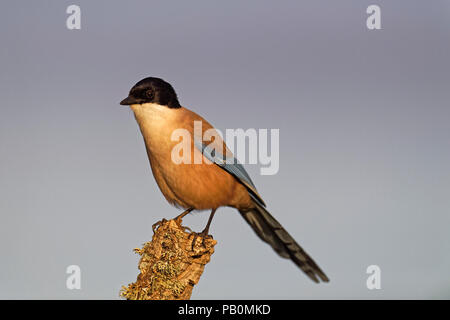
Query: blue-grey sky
<point>364,142</point>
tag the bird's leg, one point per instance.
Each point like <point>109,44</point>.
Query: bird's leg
<point>178,220</point>
<point>204,233</point>
<point>180,217</point>
<point>206,230</point>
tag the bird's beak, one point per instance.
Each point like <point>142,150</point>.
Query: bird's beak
<point>128,101</point>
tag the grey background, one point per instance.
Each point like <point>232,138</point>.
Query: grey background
<point>364,141</point>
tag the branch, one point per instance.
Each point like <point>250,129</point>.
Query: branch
<point>169,266</point>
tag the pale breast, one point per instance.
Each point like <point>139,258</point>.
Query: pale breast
<point>201,186</point>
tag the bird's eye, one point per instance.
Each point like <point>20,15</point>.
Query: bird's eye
<point>149,94</point>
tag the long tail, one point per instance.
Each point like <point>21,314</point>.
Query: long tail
<point>272,232</point>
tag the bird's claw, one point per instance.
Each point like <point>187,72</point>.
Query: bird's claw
<point>203,235</point>
<point>158,224</point>
<point>187,228</point>
<point>179,222</point>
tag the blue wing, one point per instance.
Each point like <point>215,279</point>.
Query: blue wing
<point>232,166</point>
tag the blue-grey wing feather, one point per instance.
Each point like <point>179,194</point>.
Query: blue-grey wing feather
<point>232,166</point>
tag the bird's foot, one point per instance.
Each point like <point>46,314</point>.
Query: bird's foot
<point>204,235</point>
<point>179,220</point>
<point>186,228</point>
<point>158,224</point>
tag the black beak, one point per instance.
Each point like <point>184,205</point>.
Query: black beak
<point>129,101</point>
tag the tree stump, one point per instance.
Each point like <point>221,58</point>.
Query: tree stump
<point>170,264</point>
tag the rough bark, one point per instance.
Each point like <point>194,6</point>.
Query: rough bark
<point>170,266</point>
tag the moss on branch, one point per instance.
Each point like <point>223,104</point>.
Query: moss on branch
<point>170,265</point>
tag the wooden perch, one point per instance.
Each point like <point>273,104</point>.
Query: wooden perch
<point>170,264</point>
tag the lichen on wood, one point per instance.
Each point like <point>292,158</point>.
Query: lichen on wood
<point>170,264</point>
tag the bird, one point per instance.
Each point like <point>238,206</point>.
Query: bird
<point>213,182</point>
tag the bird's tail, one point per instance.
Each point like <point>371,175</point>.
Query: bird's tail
<point>272,232</point>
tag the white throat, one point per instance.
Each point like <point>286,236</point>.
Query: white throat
<point>155,120</point>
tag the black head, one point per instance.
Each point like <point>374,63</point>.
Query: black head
<point>152,90</point>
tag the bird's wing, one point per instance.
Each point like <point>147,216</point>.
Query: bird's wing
<point>231,165</point>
